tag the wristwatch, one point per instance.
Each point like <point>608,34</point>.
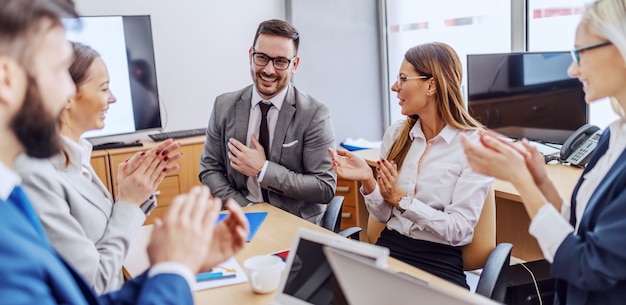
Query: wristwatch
<point>404,203</point>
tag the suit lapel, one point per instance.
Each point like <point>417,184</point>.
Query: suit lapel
<point>87,189</point>
<point>602,147</point>
<point>242,118</point>
<point>287,111</point>
<point>616,170</point>
<point>242,115</point>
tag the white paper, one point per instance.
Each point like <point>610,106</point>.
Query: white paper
<point>226,268</point>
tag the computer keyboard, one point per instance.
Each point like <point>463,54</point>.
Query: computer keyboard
<point>177,134</point>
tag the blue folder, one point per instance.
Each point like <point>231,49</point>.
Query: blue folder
<point>254,219</point>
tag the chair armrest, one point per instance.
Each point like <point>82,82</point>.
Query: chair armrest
<point>352,232</point>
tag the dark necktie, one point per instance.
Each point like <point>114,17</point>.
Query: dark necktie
<point>19,199</point>
<point>264,138</point>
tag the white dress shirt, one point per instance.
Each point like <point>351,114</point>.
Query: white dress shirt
<point>254,188</point>
<point>446,195</point>
<point>550,227</point>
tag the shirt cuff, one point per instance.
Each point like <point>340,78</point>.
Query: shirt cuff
<point>262,173</point>
<point>550,230</point>
<point>566,208</point>
<point>174,268</point>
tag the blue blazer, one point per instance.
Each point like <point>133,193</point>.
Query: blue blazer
<point>31,272</point>
<point>591,264</point>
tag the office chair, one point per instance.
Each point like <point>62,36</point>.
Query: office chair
<point>475,254</point>
<point>332,216</point>
<point>352,233</point>
<point>494,277</point>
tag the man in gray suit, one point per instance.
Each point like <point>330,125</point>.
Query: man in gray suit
<point>267,142</point>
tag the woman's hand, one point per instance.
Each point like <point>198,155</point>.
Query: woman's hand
<point>139,177</point>
<point>166,149</point>
<point>496,158</point>
<point>387,180</point>
<point>535,162</point>
<point>350,166</point>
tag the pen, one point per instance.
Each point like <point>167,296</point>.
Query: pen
<point>213,276</point>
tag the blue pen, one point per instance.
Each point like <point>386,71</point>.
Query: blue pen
<point>213,276</point>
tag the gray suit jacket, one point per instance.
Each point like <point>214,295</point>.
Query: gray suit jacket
<point>299,176</point>
<point>79,217</point>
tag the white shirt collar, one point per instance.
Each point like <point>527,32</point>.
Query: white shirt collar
<point>447,133</point>
<point>277,100</point>
<point>9,181</point>
<point>78,151</point>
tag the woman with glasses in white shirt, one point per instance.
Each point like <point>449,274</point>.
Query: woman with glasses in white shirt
<point>583,239</point>
<point>424,191</point>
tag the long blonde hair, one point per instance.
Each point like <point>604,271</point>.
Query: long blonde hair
<point>441,62</point>
<point>606,19</point>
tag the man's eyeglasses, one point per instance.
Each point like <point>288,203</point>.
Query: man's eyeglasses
<point>402,79</point>
<point>576,52</point>
<point>280,63</point>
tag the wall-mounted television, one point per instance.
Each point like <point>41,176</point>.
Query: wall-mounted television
<point>526,94</point>
<point>126,47</point>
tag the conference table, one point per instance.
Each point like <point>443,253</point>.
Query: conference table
<point>276,233</point>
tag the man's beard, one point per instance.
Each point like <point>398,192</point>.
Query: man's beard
<point>35,127</point>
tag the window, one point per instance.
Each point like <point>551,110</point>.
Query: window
<point>552,27</point>
<point>480,26</point>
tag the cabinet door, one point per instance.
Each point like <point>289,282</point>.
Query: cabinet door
<point>100,164</point>
<point>167,190</point>
<point>348,189</point>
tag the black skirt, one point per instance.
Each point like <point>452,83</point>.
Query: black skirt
<point>444,261</point>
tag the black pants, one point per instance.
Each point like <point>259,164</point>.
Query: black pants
<point>441,260</point>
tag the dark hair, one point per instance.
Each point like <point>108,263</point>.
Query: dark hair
<point>280,28</point>
<point>20,20</point>
<point>83,58</point>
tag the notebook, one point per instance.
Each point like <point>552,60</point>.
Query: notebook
<point>308,278</point>
<point>366,284</point>
<point>254,219</point>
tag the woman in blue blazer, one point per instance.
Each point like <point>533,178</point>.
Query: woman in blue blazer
<point>585,238</point>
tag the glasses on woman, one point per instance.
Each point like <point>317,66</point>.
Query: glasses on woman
<point>402,79</point>
<point>280,63</point>
<point>576,52</point>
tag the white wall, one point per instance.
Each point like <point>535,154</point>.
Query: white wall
<point>201,49</point>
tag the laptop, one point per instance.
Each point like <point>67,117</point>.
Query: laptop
<point>367,284</point>
<point>308,277</point>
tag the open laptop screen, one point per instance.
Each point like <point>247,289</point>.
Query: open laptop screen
<point>308,277</point>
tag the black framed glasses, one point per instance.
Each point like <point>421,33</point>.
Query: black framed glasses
<point>403,78</point>
<point>576,52</point>
<point>280,63</point>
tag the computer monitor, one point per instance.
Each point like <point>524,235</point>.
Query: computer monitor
<point>126,47</point>
<point>526,94</point>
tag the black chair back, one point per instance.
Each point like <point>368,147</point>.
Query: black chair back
<point>493,279</point>
<point>332,216</point>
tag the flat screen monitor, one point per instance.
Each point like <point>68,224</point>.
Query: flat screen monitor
<point>125,45</point>
<point>526,94</point>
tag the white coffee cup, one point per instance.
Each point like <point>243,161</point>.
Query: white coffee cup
<point>263,272</point>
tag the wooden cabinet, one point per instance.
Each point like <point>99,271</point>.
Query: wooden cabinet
<point>100,164</point>
<point>106,165</point>
<point>353,213</point>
